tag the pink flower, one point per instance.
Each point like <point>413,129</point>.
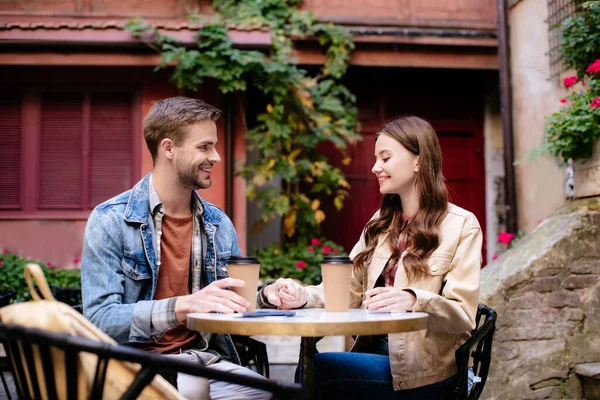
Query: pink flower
<point>570,81</point>
<point>4,251</point>
<point>301,264</point>
<point>326,250</point>
<point>595,103</point>
<point>76,260</point>
<point>49,264</point>
<point>594,67</point>
<point>505,237</point>
<point>0,263</point>
<point>495,256</point>
<point>310,249</point>
<point>335,251</point>
<point>563,101</point>
<point>315,241</point>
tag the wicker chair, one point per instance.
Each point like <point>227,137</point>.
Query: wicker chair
<point>20,340</point>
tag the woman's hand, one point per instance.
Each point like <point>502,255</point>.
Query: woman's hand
<point>286,294</point>
<point>389,299</point>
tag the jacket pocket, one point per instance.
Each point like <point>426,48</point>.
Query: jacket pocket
<point>438,265</point>
<point>135,269</point>
<point>222,265</point>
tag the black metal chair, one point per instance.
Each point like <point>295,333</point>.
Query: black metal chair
<point>253,354</point>
<point>17,339</point>
<point>478,352</point>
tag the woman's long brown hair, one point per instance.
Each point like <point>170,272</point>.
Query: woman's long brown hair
<point>423,230</point>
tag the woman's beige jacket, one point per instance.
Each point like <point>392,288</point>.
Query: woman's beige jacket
<point>449,294</point>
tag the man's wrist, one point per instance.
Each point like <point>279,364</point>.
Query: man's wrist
<point>180,308</point>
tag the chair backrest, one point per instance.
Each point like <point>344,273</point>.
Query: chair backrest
<point>37,380</point>
<point>477,353</point>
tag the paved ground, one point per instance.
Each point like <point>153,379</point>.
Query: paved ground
<point>282,372</point>
<point>11,386</point>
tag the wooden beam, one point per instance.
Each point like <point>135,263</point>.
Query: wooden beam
<point>416,57</point>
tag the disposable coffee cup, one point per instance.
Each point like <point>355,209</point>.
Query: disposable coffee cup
<point>336,272</point>
<point>246,269</point>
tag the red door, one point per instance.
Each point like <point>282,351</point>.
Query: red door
<point>451,100</point>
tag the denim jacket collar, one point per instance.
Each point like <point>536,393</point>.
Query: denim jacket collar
<point>138,205</point>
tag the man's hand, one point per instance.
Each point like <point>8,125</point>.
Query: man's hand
<point>213,297</point>
<point>389,299</point>
<point>286,294</point>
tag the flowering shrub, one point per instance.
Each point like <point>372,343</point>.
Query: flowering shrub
<point>12,276</point>
<point>508,240</point>
<point>571,132</point>
<point>301,261</point>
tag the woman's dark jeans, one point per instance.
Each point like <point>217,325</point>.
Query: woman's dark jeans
<point>367,376</point>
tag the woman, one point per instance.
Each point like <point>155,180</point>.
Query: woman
<point>418,253</point>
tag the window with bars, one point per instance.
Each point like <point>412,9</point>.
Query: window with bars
<point>558,11</point>
<point>65,151</point>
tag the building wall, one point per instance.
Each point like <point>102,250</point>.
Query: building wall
<point>464,13</point>
<point>57,239</point>
<point>494,170</point>
<point>540,184</point>
<point>481,13</point>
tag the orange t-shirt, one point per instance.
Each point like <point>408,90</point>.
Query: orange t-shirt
<point>174,280</point>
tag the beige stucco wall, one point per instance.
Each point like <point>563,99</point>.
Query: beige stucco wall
<point>494,173</point>
<point>540,184</point>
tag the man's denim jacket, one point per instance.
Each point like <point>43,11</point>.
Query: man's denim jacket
<point>119,267</point>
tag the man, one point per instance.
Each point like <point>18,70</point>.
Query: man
<point>159,251</point>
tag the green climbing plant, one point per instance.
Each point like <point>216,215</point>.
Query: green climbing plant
<point>302,109</point>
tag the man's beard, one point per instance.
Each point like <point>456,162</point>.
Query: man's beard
<point>189,178</point>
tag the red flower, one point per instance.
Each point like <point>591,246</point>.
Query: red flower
<point>495,256</point>
<point>0,263</point>
<point>315,241</point>
<point>49,264</point>
<point>310,249</point>
<point>594,67</point>
<point>335,251</point>
<point>505,237</point>
<point>326,250</point>
<point>563,101</point>
<point>301,264</point>
<point>76,260</point>
<point>595,103</point>
<point>570,81</point>
<point>4,251</point>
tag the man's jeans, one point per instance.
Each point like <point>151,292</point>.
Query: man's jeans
<point>367,376</point>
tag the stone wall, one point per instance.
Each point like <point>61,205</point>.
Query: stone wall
<point>546,292</point>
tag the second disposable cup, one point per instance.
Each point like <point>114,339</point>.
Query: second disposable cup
<point>246,269</point>
<point>336,272</point>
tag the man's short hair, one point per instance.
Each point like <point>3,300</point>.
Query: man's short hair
<point>170,118</point>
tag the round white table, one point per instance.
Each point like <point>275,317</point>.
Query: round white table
<point>310,324</point>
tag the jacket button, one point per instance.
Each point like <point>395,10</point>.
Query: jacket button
<point>399,356</point>
<point>225,269</point>
<point>402,385</point>
<point>434,268</point>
